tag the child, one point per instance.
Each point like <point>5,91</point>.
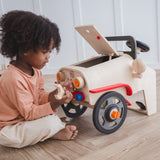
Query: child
<point>27,112</point>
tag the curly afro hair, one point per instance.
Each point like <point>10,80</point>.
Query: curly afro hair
<point>22,31</point>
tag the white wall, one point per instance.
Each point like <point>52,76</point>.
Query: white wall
<point>138,18</point>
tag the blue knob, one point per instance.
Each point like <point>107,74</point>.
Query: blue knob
<point>78,97</point>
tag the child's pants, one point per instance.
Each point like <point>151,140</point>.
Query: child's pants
<point>30,132</point>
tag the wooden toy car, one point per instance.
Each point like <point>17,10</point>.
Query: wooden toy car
<point>105,82</point>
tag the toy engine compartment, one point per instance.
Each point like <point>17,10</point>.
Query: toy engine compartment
<point>95,61</point>
<point>85,68</point>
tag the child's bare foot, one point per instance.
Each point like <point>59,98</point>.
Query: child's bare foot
<point>68,133</point>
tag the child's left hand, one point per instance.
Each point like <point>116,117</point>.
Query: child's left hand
<point>57,101</point>
<point>69,86</point>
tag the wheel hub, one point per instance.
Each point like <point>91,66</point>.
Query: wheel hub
<point>112,113</point>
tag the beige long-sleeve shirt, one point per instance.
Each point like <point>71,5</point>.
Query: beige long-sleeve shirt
<point>22,97</point>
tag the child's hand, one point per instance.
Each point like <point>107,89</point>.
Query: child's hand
<point>66,98</point>
<point>69,86</point>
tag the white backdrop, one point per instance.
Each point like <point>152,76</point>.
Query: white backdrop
<point>138,18</point>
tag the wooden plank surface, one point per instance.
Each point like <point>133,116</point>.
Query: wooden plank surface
<point>138,138</point>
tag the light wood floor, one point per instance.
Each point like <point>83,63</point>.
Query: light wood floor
<point>137,139</point>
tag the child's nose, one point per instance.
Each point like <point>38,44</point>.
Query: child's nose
<point>47,56</point>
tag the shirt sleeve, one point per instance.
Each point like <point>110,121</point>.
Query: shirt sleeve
<point>43,95</point>
<point>22,99</point>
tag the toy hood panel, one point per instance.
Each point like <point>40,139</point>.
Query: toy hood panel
<point>96,40</point>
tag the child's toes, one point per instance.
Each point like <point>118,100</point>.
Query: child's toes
<point>74,134</point>
<point>73,128</point>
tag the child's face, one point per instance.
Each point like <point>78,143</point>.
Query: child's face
<point>39,58</point>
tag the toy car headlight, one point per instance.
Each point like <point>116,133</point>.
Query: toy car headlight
<point>78,82</point>
<point>60,76</point>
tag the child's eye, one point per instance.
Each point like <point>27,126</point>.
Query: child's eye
<point>44,52</point>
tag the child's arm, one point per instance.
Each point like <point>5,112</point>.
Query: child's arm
<point>25,104</point>
<point>44,96</point>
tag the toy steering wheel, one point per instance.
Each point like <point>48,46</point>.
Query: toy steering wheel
<point>142,46</point>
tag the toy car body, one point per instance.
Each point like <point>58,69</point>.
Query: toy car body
<point>104,83</point>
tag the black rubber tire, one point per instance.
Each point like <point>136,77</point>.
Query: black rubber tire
<point>122,108</point>
<point>79,110</point>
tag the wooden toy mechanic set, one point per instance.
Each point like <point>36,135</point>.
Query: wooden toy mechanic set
<point>105,82</point>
